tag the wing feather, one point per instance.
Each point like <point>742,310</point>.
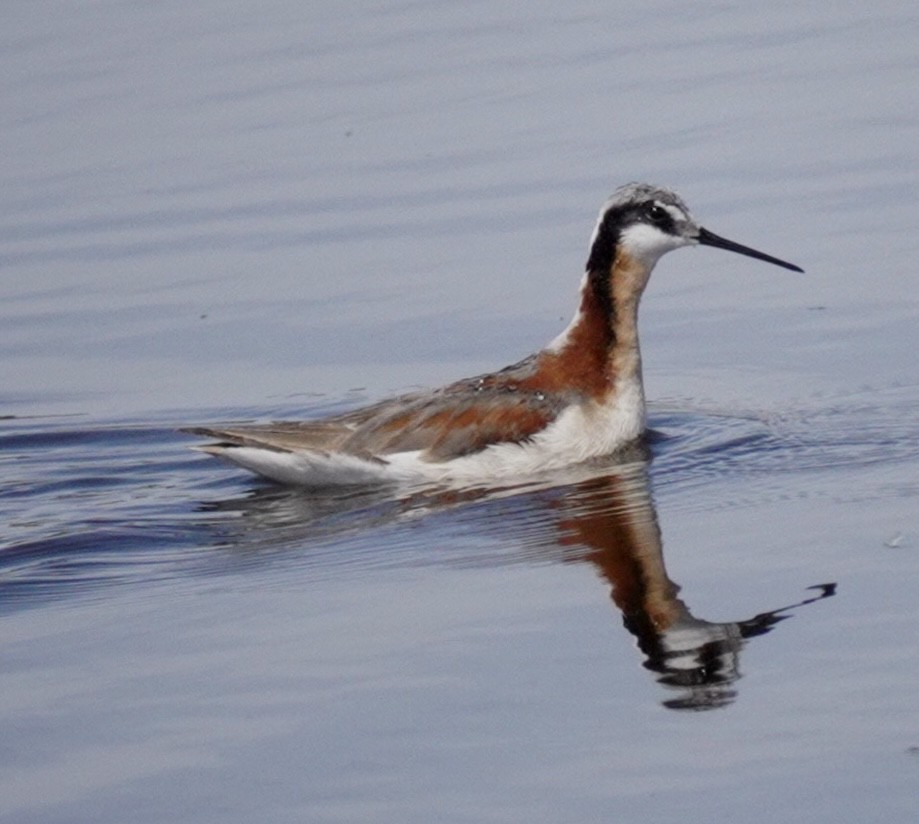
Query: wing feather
<point>459,420</point>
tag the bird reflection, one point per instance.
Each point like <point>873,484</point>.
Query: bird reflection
<point>612,521</point>
<point>601,514</point>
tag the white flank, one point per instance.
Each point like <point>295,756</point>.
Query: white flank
<point>304,468</point>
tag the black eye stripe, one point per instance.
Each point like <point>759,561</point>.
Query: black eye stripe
<point>617,219</point>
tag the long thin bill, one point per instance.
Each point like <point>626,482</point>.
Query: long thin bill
<point>707,238</point>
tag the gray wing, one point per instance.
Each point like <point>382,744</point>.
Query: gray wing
<point>460,420</point>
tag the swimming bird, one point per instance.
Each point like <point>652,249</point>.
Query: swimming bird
<point>580,397</point>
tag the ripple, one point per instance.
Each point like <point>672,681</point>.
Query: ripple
<point>90,504</point>
<point>810,450</point>
<point>83,506</point>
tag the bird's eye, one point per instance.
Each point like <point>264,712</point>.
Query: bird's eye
<point>657,213</point>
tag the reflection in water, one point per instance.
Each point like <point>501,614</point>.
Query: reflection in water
<point>613,521</point>
<point>603,515</point>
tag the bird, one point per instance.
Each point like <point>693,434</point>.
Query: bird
<point>579,398</point>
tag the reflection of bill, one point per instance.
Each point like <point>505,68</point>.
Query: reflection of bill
<point>612,519</point>
<point>603,514</point>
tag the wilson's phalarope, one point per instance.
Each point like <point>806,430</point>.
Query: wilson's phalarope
<point>580,397</point>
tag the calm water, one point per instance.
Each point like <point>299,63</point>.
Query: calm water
<point>216,212</point>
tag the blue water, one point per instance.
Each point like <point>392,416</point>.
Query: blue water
<point>219,213</point>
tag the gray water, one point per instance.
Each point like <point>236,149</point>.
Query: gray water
<point>214,212</point>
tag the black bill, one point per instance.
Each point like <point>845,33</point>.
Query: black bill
<point>707,238</point>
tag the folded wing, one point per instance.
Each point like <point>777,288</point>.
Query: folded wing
<point>460,420</point>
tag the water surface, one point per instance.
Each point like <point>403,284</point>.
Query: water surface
<point>213,214</point>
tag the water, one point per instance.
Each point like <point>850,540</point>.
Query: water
<point>212,214</point>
